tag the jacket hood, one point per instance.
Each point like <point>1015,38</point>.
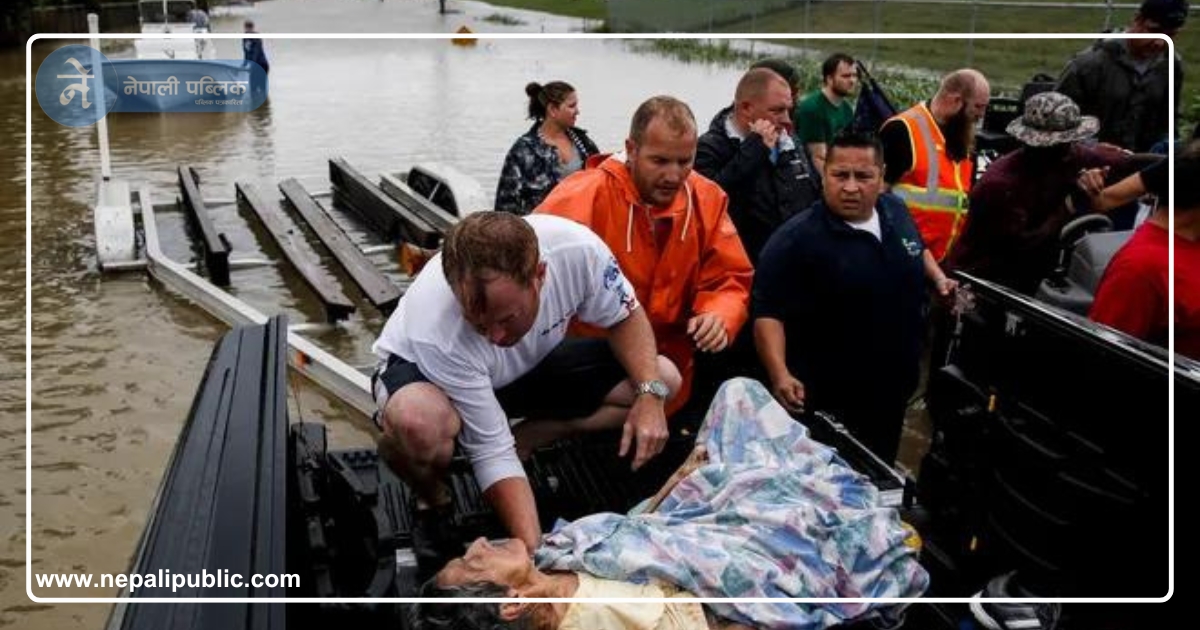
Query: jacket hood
<point>618,176</point>
<point>717,125</point>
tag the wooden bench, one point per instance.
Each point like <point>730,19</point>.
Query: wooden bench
<point>297,250</point>
<point>381,292</point>
<point>385,215</point>
<point>214,244</point>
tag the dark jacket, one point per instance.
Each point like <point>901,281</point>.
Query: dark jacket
<point>762,195</point>
<point>852,306</point>
<point>532,168</point>
<point>1132,109</point>
<point>1012,237</point>
<point>252,50</point>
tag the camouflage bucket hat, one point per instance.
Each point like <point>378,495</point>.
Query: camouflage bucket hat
<point>1052,118</point>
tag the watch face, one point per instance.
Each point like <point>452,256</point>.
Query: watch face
<point>658,388</point>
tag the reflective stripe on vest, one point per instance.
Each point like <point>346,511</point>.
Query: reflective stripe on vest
<point>939,208</point>
<point>931,197</point>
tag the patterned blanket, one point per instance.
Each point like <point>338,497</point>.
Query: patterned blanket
<point>772,514</point>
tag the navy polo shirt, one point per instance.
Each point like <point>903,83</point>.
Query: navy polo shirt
<point>853,306</point>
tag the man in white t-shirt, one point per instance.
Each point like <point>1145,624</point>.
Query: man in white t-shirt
<point>479,338</point>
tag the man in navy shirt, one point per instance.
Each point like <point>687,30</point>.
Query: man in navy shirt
<point>252,48</point>
<point>839,301</point>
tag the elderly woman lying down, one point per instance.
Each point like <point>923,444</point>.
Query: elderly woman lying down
<point>759,510</point>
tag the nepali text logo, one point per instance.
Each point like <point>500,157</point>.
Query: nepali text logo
<point>98,86</point>
<point>68,92</point>
<point>189,85</point>
<point>69,86</point>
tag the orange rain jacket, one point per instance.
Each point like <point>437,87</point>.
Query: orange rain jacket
<point>702,267</point>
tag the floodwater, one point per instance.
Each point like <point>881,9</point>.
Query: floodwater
<point>117,358</point>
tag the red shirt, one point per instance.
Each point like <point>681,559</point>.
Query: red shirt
<point>1133,295</point>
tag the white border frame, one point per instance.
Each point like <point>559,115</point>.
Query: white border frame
<point>29,424</point>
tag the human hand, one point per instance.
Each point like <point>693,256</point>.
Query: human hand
<point>1091,180</point>
<point>708,332</point>
<point>646,425</point>
<point>766,129</point>
<point>789,391</point>
<point>946,287</point>
<point>698,458</point>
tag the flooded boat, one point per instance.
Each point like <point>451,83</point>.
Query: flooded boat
<point>234,8</point>
<point>174,17</point>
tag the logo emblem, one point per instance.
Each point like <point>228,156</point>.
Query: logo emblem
<point>70,86</point>
<point>77,85</point>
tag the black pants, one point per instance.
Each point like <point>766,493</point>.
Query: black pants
<point>571,382</point>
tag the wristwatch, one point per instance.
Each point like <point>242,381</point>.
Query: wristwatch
<point>655,388</point>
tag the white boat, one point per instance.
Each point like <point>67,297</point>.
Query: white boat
<point>236,8</point>
<point>173,16</point>
<point>200,79</point>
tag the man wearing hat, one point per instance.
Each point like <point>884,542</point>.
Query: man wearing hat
<point>1024,199</point>
<point>1124,82</point>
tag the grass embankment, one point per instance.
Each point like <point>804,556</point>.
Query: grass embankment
<point>590,9</point>
<point>900,84</point>
<point>1009,63</point>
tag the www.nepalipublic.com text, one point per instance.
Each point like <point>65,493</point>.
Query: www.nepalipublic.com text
<point>164,579</point>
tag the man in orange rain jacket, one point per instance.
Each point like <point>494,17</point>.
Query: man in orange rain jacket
<point>670,231</point>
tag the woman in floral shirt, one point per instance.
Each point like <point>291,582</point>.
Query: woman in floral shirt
<point>552,148</point>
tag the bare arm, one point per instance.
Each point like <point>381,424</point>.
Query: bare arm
<point>1105,198</point>
<point>771,341</point>
<point>698,458</point>
<point>933,271</point>
<point>632,342</point>
<point>513,501</point>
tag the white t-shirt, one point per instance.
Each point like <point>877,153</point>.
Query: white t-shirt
<point>582,280</point>
<point>870,225</point>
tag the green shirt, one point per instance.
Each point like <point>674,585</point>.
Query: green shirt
<point>818,120</point>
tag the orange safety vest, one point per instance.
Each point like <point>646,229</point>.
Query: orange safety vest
<point>935,188</point>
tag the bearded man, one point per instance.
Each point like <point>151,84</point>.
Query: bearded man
<point>928,153</point>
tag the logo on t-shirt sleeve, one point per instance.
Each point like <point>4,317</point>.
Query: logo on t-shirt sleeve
<point>615,282</point>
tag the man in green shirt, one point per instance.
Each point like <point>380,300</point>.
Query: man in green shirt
<point>821,114</point>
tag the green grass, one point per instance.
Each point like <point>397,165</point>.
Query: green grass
<point>500,18</point>
<point>591,9</point>
<point>901,85</point>
<point>1007,63</point>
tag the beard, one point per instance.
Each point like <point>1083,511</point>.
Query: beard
<point>960,135</point>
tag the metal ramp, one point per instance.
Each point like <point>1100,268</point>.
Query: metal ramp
<point>323,240</point>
